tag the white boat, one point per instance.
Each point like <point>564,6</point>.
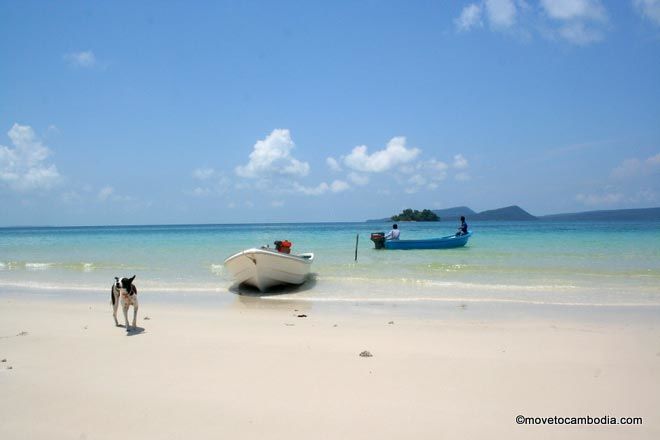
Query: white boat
<point>264,268</point>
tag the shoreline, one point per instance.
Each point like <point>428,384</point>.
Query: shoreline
<point>450,309</point>
<point>433,309</point>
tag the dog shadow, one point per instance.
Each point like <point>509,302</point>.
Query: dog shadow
<point>246,290</point>
<point>133,331</point>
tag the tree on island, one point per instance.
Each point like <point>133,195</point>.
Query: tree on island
<point>408,215</point>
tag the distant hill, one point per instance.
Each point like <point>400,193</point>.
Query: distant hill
<point>516,213</point>
<point>444,214</point>
<point>613,215</point>
<point>510,213</point>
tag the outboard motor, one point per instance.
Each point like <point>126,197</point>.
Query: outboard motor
<point>379,239</point>
<point>283,246</point>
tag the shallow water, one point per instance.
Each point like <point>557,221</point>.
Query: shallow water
<point>537,262</point>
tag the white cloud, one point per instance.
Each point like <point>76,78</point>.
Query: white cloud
<point>579,22</point>
<point>272,155</point>
<point>437,170</point>
<point>203,173</point>
<point>105,193</point>
<point>649,9</point>
<point>201,192</point>
<point>460,162</point>
<point>501,13</point>
<point>333,164</point>
<point>423,173</point>
<point>634,182</point>
<point>580,34</point>
<point>574,9</point>
<point>85,59</point>
<point>470,17</point>
<point>417,179</point>
<point>358,179</point>
<point>321,188</point>
<point>637,168</point>
<point>415,183</point>
<point>336,186</point>
<point>628,168</point>
<point>578,19</point>
<point>213,183</point>
<point>395,153</point>
<point>599,199</point>
<point>24,167</point>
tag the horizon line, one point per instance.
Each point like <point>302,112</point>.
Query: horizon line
<point>310,222</point>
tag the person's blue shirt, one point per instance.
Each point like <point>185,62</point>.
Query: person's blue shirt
<point>463,229</point>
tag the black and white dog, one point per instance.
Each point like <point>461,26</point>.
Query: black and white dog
<point>124,290</point>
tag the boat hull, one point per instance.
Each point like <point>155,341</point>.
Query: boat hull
<point>265,268</point>
<point>448,242</point>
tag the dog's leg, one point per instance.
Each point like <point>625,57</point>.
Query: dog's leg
<point>135,309</point>
<point>115,305</point>
<point>124,307</point>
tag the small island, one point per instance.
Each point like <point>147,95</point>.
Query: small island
<point>408,215</point>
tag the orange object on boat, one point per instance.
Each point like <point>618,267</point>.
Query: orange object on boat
<point>283,246</point>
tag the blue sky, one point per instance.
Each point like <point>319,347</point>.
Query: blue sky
<point>213,112</point>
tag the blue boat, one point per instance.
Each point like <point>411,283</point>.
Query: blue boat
<point>448,242</point>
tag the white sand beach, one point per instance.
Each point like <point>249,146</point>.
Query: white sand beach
<point>262,372</point>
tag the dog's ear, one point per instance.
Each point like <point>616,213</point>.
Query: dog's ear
<point>131,278</point>
<point>117,279</point>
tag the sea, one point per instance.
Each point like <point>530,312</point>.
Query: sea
<point>535,262</point>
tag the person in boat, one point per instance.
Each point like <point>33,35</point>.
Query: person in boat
<point>394,233</point>
<point>463,228</point>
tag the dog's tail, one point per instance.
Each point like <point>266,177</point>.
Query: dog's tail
<point>112,295</point>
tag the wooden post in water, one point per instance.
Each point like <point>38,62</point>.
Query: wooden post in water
<point>357,239</point>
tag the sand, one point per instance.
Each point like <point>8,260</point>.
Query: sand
<point>247,372</point>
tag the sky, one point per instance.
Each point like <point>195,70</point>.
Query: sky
<point>161,112</point>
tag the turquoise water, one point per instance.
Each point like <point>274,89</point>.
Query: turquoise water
<point>525,262</point>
